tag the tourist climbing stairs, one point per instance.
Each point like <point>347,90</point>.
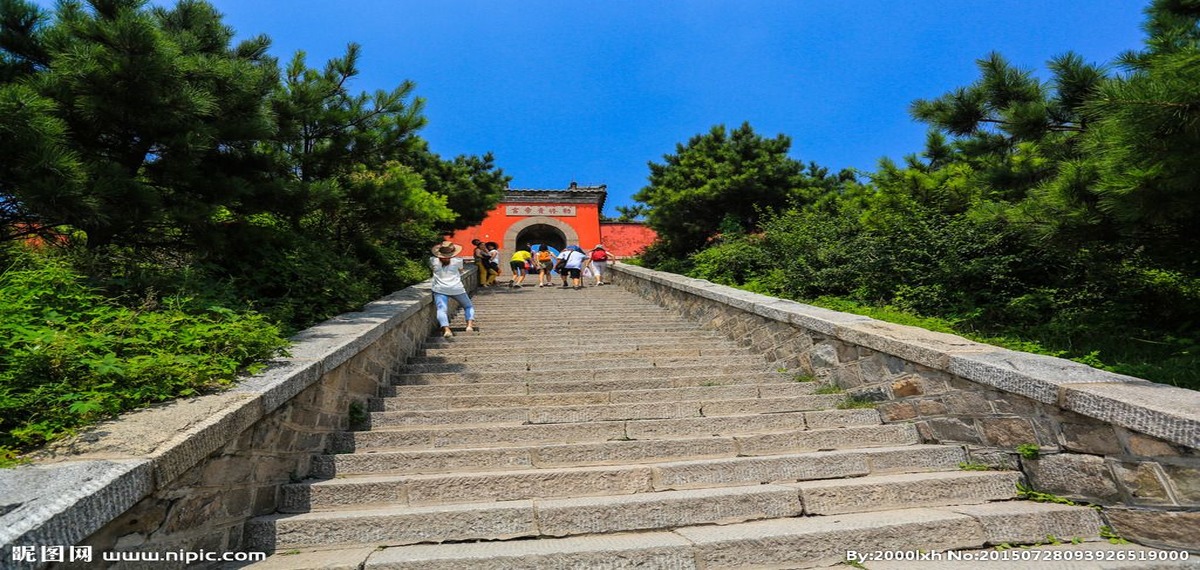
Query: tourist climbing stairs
<point>593,429</point>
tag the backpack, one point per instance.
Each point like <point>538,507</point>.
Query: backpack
<point>599,255</point>
<point>544,255</point>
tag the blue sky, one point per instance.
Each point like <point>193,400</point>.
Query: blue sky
<point>591,91</point>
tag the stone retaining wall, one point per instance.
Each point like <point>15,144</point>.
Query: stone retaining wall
<point>186,476</point>
<point>1104,438</point>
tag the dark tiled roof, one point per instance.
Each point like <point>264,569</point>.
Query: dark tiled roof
<point>572,193</point>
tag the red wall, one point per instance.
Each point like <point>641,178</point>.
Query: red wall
<point>626,240</point>
<point>585,222</point>
<point>621,240</point>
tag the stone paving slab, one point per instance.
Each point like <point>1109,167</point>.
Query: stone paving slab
<point>394,525</point>
<point>658,550</point>
<point>811,541</point>
<point>607,452</point>
<point>828,439</point>
<point>332,559</point>
<point>618,479</point>
<point>573,361</point>
<point>908,490</point>
<point>486,357</point>
<point>619,343</point>
<point>522,399</point>
<point>580,371</point>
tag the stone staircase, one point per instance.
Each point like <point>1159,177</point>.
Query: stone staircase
<point>593,429</point>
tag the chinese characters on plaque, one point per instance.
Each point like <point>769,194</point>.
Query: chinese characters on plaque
<point>520,210</point>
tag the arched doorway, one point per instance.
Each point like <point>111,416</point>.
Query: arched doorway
<point>539,230</point>
<point>541,234</point>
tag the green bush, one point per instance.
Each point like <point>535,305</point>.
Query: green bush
<point>70,356</point>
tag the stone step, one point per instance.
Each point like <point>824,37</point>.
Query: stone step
<point>610,452</point>
<point>489,357</point>
<point>432,437</point>
<point>535,337</point>
<point>604,412</point>
<point>571,361</point>
<point>435,489</point>
<point>515,384</point>
<point>399,400</point>
<point>604,319</point>
<point>795,542</point>
<point>614,344</point>
<point>577,331</point>
<point>398,525</point>
<point>578,371</point>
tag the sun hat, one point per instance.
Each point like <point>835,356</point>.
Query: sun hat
<point>446,250</point>
<point>599,246</point>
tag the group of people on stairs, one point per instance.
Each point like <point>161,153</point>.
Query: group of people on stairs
<point>572,263</point>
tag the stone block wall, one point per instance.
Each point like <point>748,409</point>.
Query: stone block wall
<point>1102,438</point>
<point>186,476</point>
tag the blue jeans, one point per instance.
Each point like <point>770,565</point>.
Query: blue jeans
<point>443,306</point>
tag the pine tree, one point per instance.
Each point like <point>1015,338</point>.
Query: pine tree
<point>722,177</point>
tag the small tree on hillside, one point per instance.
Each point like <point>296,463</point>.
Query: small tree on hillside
<point>721,176</point>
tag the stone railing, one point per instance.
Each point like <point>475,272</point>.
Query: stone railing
<point>1107,439</point>
<point>184,477</point>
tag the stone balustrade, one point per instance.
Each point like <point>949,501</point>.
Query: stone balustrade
<point>1106,439</point>
<point>186,476</point>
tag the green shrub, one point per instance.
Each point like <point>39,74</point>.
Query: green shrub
<point>69,356</point>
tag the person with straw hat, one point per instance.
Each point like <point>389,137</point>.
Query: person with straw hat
<point>447,284</point>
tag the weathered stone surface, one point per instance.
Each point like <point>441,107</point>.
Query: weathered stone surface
<point>915,458</point>
<point>395,525</point>
<point>426,461</point>
<point>1165,529</point>
<point>963,403</point>
<point>913,344</point>
<point>641,550</point>
<point>908,490</point>
<point>743,471</point>
<point>303,497</point>
<point>721,425</point>
<point>615,452</point>
<point>820,541</point>
<point>841,418</point>
<point>667,509</point>
<point>1073,475</point>
<point>827,439</point>
<point>897,411</point>
<point>347,559</point>
<point>1185,481</point>
<point>1096,438</point>
<point>998,459</point>
<point>1159,410</point>
<point>768,405</point>
<point>1147,446</point>
<point>823,355</point>
<point>525,434</point>
<point>64,503</point>
<point>1142,482</point>
<point>907,386</point>
<point>954,430</point>
<point>513,485</point>
<point>1006,432</point>
<point>1035,376</point>
<point>1018,522</point>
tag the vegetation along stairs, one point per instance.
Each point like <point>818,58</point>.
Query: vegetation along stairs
<point>593,429</point>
